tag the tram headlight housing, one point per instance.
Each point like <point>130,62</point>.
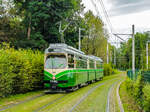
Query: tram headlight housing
<point>53,78</point>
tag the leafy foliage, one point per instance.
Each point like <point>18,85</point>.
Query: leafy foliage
<point>41,19</point>
<point>36,23</point>
<point>20,70</point>
<point>107,69</point>
<point>95,42</point>
<point>124,53</point>
<point>140,92</point>
<point>146,96</point>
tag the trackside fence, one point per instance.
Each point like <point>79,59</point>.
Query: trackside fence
<point>145,75</point>
<point>131,75</point>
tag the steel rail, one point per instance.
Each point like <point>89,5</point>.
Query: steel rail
<point>87,94</point>
<point>119,99</point>
<point>54,107</point>
<point>21,102</point>
<point>108,97</point>
<point>50,103</point>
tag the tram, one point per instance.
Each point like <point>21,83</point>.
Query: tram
<point>67,68</point>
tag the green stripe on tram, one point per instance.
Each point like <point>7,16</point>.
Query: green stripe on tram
<point>48,74</point>
<point>70,71</point>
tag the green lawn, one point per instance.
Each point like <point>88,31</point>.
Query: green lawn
<point>17,98</point>
<point>95,102</point>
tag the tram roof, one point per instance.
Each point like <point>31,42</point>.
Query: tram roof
<point>71,50</point>
<point>95,58</point>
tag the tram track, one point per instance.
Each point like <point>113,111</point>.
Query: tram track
<point>119,99</point>
<point>59,100</point>
<point>21,102</point>
<point>74,108</point>
<point>68,102</point>
<point>48,104</point>
<point>67,97</point>
<point>84,97</point>
<point>108,97</point>
<point>109,103</point>
<point>10,107</point>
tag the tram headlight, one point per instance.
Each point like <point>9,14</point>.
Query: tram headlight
<point>54,78</point>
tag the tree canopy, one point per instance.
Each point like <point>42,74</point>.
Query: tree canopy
<point>124,54</point>
<point>36,23</point>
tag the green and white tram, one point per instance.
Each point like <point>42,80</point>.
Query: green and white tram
<point>68,68</point>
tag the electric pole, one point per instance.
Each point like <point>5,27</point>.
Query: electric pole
<point>133,46</point>
<point>79,39</point>
<point>115,51</point>
<point>80,29</point>
<point>142,61</point>
<point>147,54</point>
<point>133,49</point>
<point>114,56</point>
<point>107,53</point>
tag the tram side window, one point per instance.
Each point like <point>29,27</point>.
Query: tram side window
<point>84,63</point>
<point>81,63</point>
<point>92,64</point>
<point>101,65</point>
<point>78,64</point>
<point>70,61</point>
<point>98,65</point>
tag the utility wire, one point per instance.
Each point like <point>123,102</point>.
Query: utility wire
<point>97,11</point>
<point>106,15</point>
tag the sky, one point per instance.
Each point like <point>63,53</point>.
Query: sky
<point>124,13</point>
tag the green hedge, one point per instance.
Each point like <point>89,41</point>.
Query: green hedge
<point>107,69</point>
<point>140,91</point>
<point>146,96</point>
<point>20,70</point>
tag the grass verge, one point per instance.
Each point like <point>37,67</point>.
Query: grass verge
<point>96,101</point>
<point>128,102</point>
<point>66,102</point>
<point>18,98</point>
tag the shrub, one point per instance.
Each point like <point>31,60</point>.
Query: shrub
<point>20,70</point>
<point>146,96</point>
<point>115,71</point>
<point>140,92</point>
<point>129,85</point>
<point>107,69</point>
<point>137,91</point>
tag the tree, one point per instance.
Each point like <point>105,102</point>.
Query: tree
<point>96,42</point>
<point>125,51</point>
<point>41,18</point>
<point>10,23</point>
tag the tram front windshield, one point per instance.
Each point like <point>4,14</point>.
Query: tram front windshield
<point>56,62</point>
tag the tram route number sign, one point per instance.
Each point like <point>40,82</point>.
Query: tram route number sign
<point>53,81</point>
